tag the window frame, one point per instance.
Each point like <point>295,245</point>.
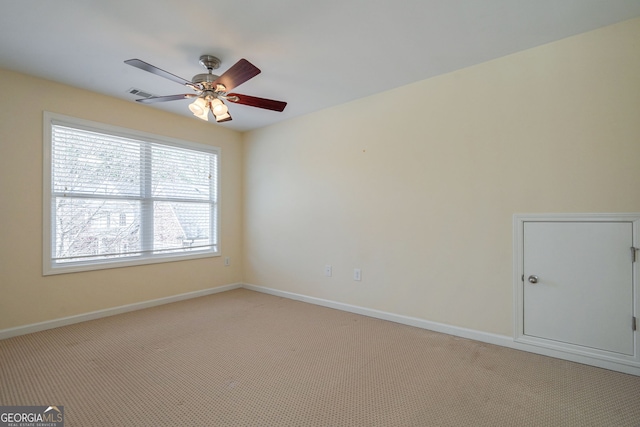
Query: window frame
<point>50,267</point>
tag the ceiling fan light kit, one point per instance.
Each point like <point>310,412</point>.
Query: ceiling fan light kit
<point>198,107</point>
<point>212,89</point>
<point>218,107</point>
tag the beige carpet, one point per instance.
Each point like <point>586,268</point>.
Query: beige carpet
<point>243,358</point>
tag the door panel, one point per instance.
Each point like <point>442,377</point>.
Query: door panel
<point>584,292</point>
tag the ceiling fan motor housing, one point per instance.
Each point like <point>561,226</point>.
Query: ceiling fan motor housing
<point>204,78</point>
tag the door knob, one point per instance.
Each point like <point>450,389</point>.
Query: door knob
<point>533,279</point>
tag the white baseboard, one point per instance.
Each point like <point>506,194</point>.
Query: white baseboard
<point>56,323</point>
<point>502,340</point>
<point>486,337</point>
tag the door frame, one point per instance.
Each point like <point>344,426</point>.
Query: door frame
<point>565,350</point>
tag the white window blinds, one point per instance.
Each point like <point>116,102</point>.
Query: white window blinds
<point>116,198</point>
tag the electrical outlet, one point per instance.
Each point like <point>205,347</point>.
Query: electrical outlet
<point>227,261</point>
<point>357,274</point>
<point>327,270</point>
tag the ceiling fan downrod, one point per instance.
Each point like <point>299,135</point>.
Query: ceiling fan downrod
<point>205,80</point>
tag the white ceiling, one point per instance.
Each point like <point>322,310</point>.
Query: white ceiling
<point>313,54</point>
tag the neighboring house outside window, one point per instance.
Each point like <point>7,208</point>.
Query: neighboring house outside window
<point>117,197</point>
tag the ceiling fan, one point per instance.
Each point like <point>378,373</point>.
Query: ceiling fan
<point>211,90</point>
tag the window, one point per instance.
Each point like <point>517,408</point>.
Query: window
<point>116,197</point>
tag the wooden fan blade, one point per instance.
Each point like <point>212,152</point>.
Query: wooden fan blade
<point>253,101</point>
<point>157,71</point>
<point>153,99</point>
<point>239,73</point>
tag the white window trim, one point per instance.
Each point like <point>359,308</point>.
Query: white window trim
<point>47,252</point>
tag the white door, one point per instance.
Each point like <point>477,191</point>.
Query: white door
<point>578,283</point>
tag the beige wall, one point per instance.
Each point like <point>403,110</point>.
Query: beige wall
<point>25,295</point>
<point>418,186</point>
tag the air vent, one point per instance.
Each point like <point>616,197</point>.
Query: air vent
<point>140,93</point>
